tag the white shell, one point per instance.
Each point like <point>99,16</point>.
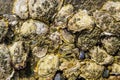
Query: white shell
<point>20,8</point>
<point>33,27</point>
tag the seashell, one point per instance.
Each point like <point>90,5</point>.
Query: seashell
<point>113,8</point>
<point>33,27</point>
<point>70,67</point>
<point>63,15</point>
<point>91,71</point>
<point>20,8</point>
<point>106,22</point>
<point>5,67</point>
<point>12,19</point>
<point>100,56</point>
<point>68,50</point>
<point>81,21</point>
<point>88,40</point>
<point>40,51</point>
<point>3,28</point>
<point>45,71</point>
<point>43,9</point>
<point>111,44</point>
<point>67,36</point>
<point>19,54</point>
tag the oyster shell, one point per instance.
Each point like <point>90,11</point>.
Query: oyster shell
<point>40,51</point>
<point>33,27</point>
<point>67,36</point>
<point>5,67</point>
<point>111,44</point>
<point>43,9</point>
<point>45,71</point>
<point>81,21</point>
<point>68,51</point>
<point>113,8</point>
<point>91,70</point>
<point>3,28</point>
<point>100,56</point>
<point>63,15</point>
<point>70,68</point>
<point>19,53</point>
<point>106,22</point>
<point>87,40</point>
<point>20,8</point>
<point>12,19</point>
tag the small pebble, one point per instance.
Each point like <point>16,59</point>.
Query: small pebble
<point>105,73</point>
<point>82,55</point>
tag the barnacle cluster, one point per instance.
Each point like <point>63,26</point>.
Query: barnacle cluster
<point>60,40</point>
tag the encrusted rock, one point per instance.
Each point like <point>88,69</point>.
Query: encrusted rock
<point>100,56</point>
<point>81,21</point>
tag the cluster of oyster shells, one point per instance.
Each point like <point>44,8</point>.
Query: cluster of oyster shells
<point>60,40</point>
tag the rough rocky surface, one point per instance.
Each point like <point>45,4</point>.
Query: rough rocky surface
<point>59,39</point>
